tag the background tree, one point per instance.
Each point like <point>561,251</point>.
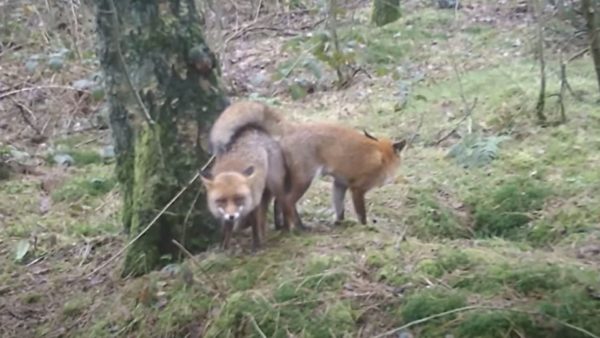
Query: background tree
<point>385,11</point>
<point>163,89</point>
<point>589,8</point>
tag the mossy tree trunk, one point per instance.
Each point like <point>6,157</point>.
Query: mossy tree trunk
<point>589,9</point>
<point>162,85</point>
<point>385,11</point>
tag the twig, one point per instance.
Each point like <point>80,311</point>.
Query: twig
<point>88,141</point>
<point>27,89</point>
<point>484,307</point>
<point>185,251</point>
<point>248,27</point>
<point>36,260</point>
<point>258,10</point>
<point>23,109</point>
<point>426,319</point>
<point>120,252</point>
<point>189,214</point>
<point>162,211</point>
<point>414,135</point>
<point>467,114</point>
<point>578,54</point>
<point>463,96</point>
<point>75,29</point>
<point>456,9</point>
<point>298,60</point>
<point>256,327</point>
<point>196,264</point>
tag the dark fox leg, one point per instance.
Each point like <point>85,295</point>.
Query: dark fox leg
<point>358,198</point>
<point>263,209</point>
<point>339,193</point>
<point>227,228</point>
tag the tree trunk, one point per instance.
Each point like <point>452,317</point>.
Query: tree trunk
<point>162,82</point>
<point>385,11</point>
<point>541,103</point>
<point>589,8</point>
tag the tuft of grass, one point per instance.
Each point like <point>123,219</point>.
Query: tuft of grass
<point>31,297</point>
<point>499,324</point>
<point>249,314</point>
<point>323,273</point>
<point>427,302</point>
<point>573,305</point>
<point>82,187</point>
<point>446,261</point>
<point>503,211</point>
<point>75,306</point>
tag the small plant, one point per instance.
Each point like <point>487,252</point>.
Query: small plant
<point>476,150</point>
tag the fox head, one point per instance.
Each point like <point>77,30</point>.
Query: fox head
<point>391,151</point>
<point>229,194</point>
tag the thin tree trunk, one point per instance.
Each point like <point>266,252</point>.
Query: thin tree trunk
<point>332,26</point>
<point>163,90</point>
<point>539,109</point>
<point>385,11</point>
<point>589,8</point>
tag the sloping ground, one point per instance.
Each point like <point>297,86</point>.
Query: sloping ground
<point>510,248</point>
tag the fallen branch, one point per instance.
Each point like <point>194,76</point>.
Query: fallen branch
<point>28,89</point>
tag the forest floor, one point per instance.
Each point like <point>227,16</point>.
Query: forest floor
<point>493,229</point>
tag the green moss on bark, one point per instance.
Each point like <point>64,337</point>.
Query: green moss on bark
<point>385,11</point>
<point>180,93</point>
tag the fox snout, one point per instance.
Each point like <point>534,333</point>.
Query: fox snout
<point>231,215</point>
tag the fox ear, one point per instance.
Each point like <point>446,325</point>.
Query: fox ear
<point>248,172</point>
<point>398,146</point>
<point>369,135</point>
<point>207,178</point>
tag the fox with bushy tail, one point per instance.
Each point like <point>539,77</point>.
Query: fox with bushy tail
<point>357,161</point>
<point>244,178</point>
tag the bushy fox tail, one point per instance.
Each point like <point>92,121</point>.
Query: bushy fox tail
<point>241,115</point>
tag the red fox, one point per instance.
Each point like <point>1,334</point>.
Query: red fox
<point>242,182</point>
<point>356,161</point>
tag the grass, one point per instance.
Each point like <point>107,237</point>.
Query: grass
<point>502,236</point>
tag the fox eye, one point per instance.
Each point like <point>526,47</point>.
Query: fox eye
<point>238,200</point>
<point>221,201</point>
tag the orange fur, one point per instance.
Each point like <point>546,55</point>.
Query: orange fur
<point>356,161</point>
<point>243,181</point>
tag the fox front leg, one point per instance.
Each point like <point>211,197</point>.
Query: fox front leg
<point>358,199</point>
<point>227,228</point>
